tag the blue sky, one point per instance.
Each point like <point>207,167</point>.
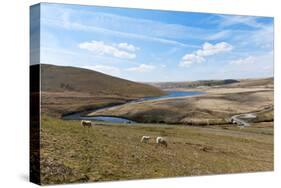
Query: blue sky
<point>153,45</point>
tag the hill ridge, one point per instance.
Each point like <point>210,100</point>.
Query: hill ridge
<point>56,78</point>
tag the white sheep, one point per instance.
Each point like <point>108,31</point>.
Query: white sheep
<point>161,141</point>
<point>86,123</point>
<point>145,139</point>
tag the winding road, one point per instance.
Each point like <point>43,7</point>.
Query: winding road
<point>241,119</point>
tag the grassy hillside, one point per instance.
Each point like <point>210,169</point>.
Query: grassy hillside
<point>70,89</point>
<point>71,153</point>
<point>60,78</point>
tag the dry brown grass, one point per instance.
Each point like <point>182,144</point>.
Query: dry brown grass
<point>71,89</point>
<point>58,103</point>
<point>71,153</point>
<point>212,108</point>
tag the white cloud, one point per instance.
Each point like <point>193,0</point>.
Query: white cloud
<point>142,68</point>
<point>128,47</point>
<point>207,49</point>
<point>100,48</point>
<point>210,49</point>
<point>110,70</point>
<point>263,60</point>
<point>189,59</point>
<point>247,60</point>
<point>256,65</point>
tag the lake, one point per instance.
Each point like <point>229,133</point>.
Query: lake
<point>174,94</point>
<point>169,95</point>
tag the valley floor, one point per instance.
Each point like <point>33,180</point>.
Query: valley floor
<point>215,107</point>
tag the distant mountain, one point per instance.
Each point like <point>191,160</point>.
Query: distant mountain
<point>61,78</point>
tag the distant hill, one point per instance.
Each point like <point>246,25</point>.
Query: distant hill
<point>268,82</point>
<point>61,78</point>
<point>194,84</point>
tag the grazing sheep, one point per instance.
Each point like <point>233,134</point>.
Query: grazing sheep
<point>86,123</point>
<point>145,139</point>
<point>161,141</point>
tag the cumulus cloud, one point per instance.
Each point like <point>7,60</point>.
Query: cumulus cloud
<point>114,71</point>
<point>207,49</point>
<point>142,68</point>
<point>100,48</point>
<point>189,59</point>
<point>210,49</point>
<point>128,47</point>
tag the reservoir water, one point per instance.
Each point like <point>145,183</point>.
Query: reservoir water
<point>169,95</point>
<point>175,94</point>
